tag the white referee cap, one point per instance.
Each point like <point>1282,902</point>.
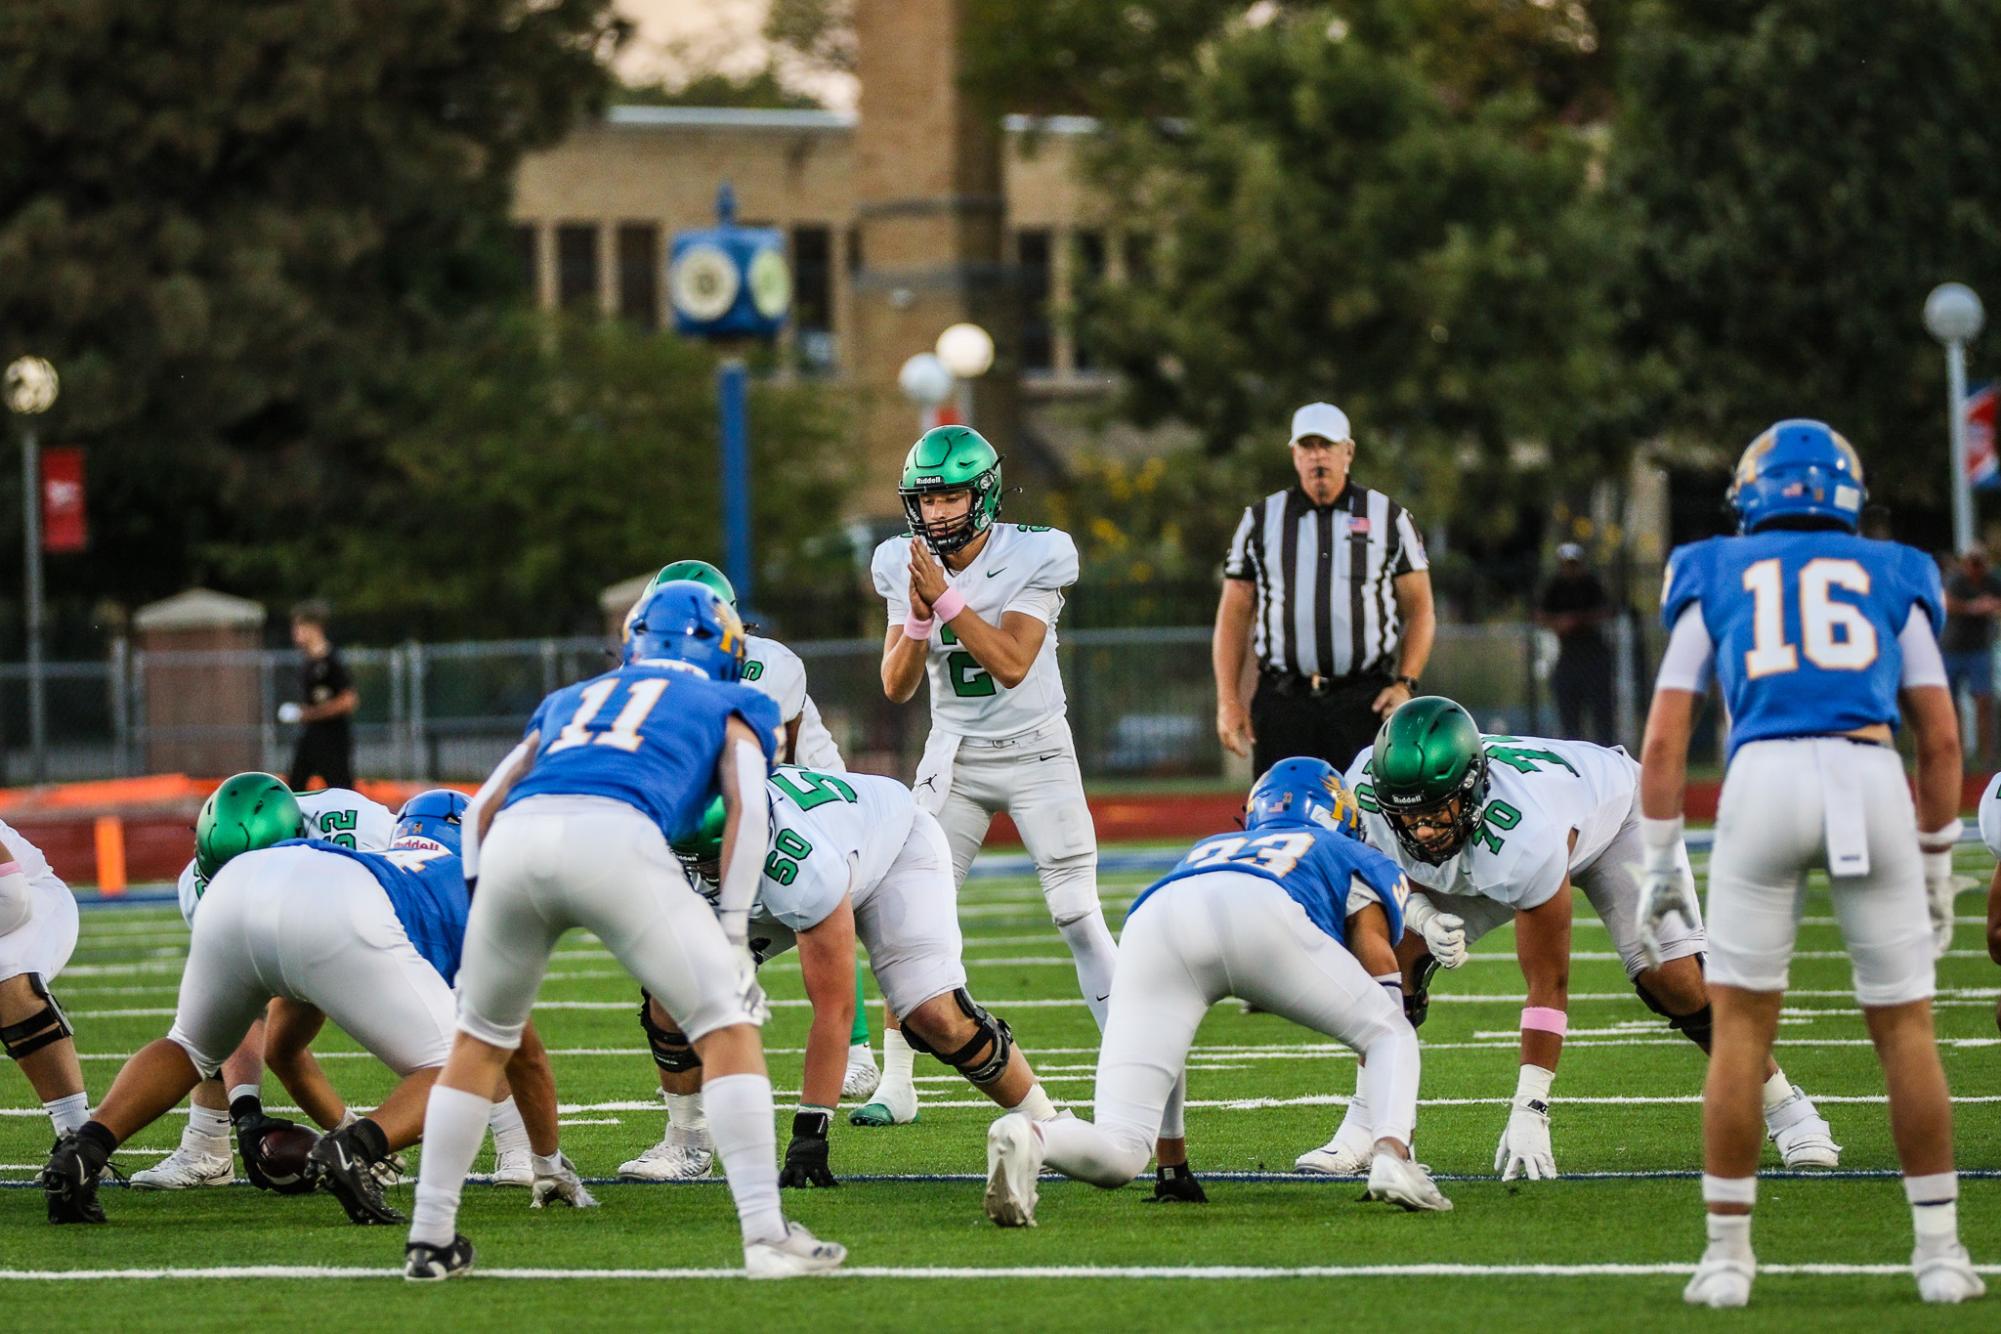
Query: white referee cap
<point>1321,419</point>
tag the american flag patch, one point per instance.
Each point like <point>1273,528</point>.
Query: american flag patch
<point>1359,527</point>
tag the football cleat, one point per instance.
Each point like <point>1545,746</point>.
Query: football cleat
<point>1945,1274</point>
<point>892,1105</point>
<point>1802,1134</point>
<point>680,1156</point>
<point>425,1263</point>
<point>862,1077</point>
<point>336,1167</point>
<point>1722,1279</point>
<point>1342,1156</point>
<point>1014,1161</point>
<point>70,1184</point>
<point>795,1255</point>
<point>1403,1182</point>
<point>1176,1185</point>
<point>184,1169</point>
<point>514,1169</point>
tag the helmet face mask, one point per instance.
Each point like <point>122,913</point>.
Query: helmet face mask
<point>946,460</point>
<point>247,812</point>
<point>1429,772</point>
<point>1434,833</point>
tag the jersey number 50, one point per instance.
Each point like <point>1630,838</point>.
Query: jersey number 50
<point>1837,636</point>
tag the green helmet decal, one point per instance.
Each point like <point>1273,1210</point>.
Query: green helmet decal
<point>1428,753</point>
<point>952,458</point>
<point>248,812</point>
<point>700,572</point>
<point>705,843</point>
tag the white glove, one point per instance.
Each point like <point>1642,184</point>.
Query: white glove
<point>1524,1148</point>
<point>1940,890</point>
<point>556,1179</point>
<point>289,713</point>
<point>1664,893</point>
<point>1444,933</point>
<point>748,989</point>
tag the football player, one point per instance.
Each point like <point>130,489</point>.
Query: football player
<point>38,924</point>
<point>1295,915</point>
<point>369,939</point>
<point>973,606</point>
<point>1823,641</point>
<point>685,1154</point>
<point>852,857</point>
<point>1493,829</point>
<point>580,814</point>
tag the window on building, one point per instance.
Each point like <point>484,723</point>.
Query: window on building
<point>813,294</point>
<point>1087,274</point>
<point>1032,252</point>
<point>577,266</point>
<point>521,239</point>
<point>639,274</point>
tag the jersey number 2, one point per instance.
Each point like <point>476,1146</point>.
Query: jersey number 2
<point>1836,636</point>
<point>624,730</point>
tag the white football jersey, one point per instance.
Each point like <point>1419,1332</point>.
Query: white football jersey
<point>1539,792</point>
<point>776,672</point>
<point>1021,568</point>
<point>832,834</point>
<point>1990,815</point>
<point>333,815</point>
<point>33,864</point>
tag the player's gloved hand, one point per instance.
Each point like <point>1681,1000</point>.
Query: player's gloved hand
<point>1664,893</point>
<point>1524,1148</point>
<point>289,713</point>
<point>1940,887</point>
<point>736,926</point>
<point>556,1179</point>
<point>249,1130</point>
<point>806,1155</point>
<point>1444,933</point>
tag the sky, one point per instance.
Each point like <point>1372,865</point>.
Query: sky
<point>676,35</point>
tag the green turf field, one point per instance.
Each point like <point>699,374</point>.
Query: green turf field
<point>1620,1231</point>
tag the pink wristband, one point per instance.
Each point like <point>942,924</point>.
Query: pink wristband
<point>949,604</point>
<point>1545,1020</point>
<point>914,628</point>
<point>10,868</point>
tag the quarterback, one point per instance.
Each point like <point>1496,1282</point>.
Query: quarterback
<point>1822,642</point>
<point>972,607</point>
<point>1495,829</point>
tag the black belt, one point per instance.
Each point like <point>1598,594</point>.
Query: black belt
<point>1294,683</point>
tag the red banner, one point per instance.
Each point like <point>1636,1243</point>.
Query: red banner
<point>63,524</point>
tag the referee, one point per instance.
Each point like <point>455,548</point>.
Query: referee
<point>1326,593</point>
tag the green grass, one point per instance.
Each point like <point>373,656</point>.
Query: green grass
<point>126,960</point>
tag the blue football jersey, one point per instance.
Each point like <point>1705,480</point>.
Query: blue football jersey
<point>427,888</point>
<point>1313,865</point>
<point>1804,625</point>
<point>645,735</point>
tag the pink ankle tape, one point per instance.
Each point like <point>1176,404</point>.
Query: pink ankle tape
<point>949,604</point>
<point>916,629</point>
<point>1544,1019</point>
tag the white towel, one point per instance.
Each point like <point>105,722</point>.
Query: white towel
<point>934,771</point>
<point>1841,797</point>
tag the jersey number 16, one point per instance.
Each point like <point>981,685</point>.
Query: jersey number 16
<point>1837,636</point>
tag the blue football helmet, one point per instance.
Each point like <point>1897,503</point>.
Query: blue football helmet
<point>1798,468</point>
<point>1303,791</point>
<point>683,621</point>
<point>436,815</point>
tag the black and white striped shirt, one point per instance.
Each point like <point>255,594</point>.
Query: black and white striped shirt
<point>1326,605</point>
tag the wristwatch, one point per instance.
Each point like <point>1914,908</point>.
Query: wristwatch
<point>1407,682</point>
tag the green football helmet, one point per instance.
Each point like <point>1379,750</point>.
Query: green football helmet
<point>952,458</point>
<point>1429,756</point>
<point>250,811</point>
<point>705,844</point>
<point>700,572</point>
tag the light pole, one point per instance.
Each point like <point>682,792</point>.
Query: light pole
<point>968,352</point>
<point>1953,315</point>
<point>925,382</point>
<point>31,388</point>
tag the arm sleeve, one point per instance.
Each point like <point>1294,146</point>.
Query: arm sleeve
<point>1923,666</point>
<point>753,831</point>
<point>1685,665</point>
<point>1238,563</point>
<point>1410,547</point>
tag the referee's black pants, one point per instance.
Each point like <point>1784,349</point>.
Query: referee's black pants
<point>1336,725</point>
<point>323,752</point>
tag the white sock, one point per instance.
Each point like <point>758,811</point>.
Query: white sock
<point>1934,1204</point>
<point>1095,954</point>
<point>1037,1107</point>
<point>685,1114</point>
<point>896,1059</point>
<point>747,1141</point>
<point>510,1132</point>
<point>454,1126</point>
<point>1357,1125</point>
<point>67,1113</point>
<point>1777,1089</point>
<point>1732,1231</point>
<point>207,1132</point>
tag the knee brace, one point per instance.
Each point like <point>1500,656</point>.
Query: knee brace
<point>966,1060</point>
<point>672,1051</point>
<point>1417,1005</point>
<point>45,1026</point>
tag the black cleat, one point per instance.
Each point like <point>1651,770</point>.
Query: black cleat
<point>1176,1185</point>
<point>425,1263</point>
<point>338,1167</point>
<point>70,1183</point>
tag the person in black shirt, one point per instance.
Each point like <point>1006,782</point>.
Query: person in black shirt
<point>1972,602</point>
<point>1574,604</point>
<point>327,704</point>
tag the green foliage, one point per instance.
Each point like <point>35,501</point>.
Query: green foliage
<point>548,457</point>
<point>1807,170</point>
<point>714,88</point>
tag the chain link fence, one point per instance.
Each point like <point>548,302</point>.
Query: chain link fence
<point>1142,702</point>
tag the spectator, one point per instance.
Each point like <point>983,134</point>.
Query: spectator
<point>327,704</point>
<point>1972,602</point>
<point>1575,606</point>
<point>1326,589</point>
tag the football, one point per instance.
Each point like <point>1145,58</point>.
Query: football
<point>281,1157</point>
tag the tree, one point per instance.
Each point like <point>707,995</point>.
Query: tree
<point>233,226</point>
<point>1806,171</point>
